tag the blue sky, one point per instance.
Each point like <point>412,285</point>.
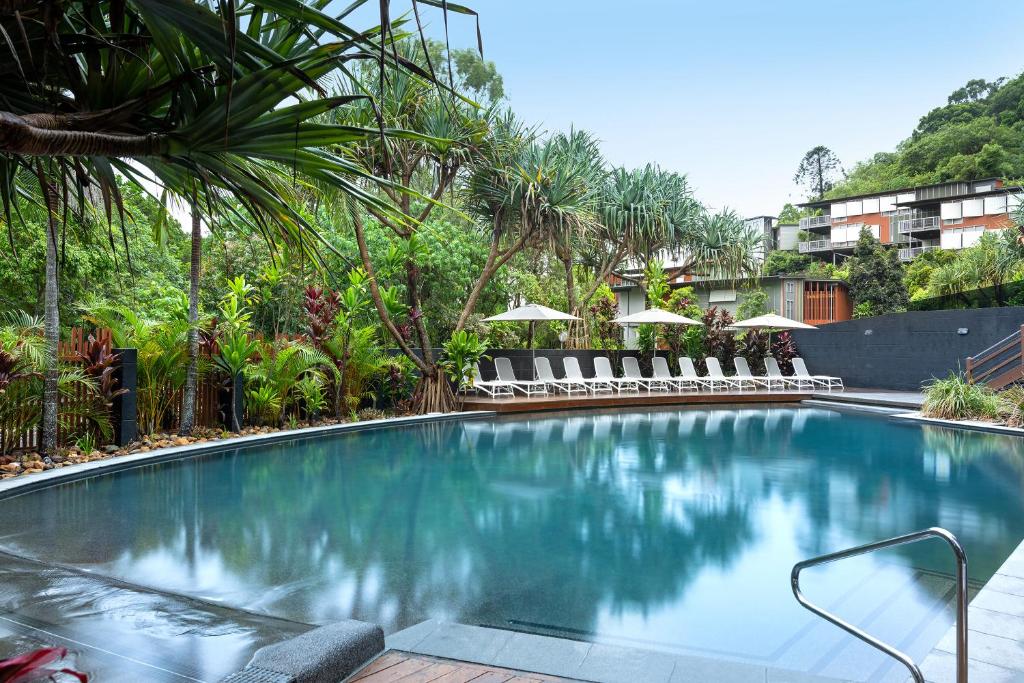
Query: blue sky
<point>734,93</point>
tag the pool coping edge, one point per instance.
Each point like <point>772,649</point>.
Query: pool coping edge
<point>27,483</point>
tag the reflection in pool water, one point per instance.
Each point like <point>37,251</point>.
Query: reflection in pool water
<point>670,530</point>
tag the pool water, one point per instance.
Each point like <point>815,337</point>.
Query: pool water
<point>672,530</point>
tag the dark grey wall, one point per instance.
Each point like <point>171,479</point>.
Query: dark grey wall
<point>902,350</point>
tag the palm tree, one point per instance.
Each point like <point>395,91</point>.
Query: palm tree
<point>218,100</point>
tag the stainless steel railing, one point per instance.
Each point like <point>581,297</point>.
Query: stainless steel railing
<point>961,597</point>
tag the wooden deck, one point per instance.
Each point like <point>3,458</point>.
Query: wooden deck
<point>395,665</point>
<point>522,404</point>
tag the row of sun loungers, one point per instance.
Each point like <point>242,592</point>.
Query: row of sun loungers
<point>661,378</point>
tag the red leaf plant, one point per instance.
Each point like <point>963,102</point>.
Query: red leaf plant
<point>38,665</point>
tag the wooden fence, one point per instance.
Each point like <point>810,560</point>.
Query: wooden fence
<point>209,412</point>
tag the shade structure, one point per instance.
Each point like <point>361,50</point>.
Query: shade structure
<point>771,321</point>
<point>532,313</point>
<point>655,316</point>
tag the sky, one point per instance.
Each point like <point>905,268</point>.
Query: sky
<point>734,93</point>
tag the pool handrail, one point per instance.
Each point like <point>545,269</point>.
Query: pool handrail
<point>961,597</point>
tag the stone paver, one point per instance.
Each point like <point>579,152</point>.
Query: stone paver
<point>995,639</point>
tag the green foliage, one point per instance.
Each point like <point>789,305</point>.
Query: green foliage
<point>790,215</point>
<point>786,263</point>
<point>683,340</point>
<point>876,277</point>
<point>1012,400</point>
<point>755,303</point>
<point>954,398</point>
<point>818,171</point>
<point>161,363</point>
<point>977,134</point>
<point>607,334</point>
<point>277,374</point>
<point>461,352</point>
<point>657,284</point>
<point>647,338</point>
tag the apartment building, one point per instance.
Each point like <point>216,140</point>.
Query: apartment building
<point>950,215</point>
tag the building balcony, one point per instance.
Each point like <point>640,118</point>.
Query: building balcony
<point>812,222</point>
<point>910,253</point>
<point>919,224</point>
<point>814,245</point>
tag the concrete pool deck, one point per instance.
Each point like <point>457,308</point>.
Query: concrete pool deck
<point>580,660</point>
<point>995,619</point>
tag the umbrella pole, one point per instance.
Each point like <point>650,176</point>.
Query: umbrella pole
<point>533,353</point>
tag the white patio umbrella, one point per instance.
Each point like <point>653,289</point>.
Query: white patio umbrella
<point>655,316</point>
<point>531,313</point>
<point>771,321</point>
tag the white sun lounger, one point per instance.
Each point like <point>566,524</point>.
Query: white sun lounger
<point>716,374</point>
<point>571,365</point>
<point>631,370</point>
<point>493,388</point>
<point>543,367</point>
<point>603,371</point>
<point>744,375</point>
<point>775,376</point>
<point>690,374</point>
<point>825,381</point>
<point>503,366</point>
<point>661,371</point>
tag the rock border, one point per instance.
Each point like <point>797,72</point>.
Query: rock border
<point>28,483</point>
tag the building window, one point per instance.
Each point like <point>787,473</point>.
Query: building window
<point>790,303</point>
<point>952,221</point>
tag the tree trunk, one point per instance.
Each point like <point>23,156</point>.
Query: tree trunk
<point>433,393</point>
<point>188,400</point>
<point>51,396</point>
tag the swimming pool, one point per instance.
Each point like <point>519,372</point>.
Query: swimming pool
<point>672,530</point>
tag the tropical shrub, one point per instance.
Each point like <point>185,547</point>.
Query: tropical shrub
<point>754,348</point>
<point>1013,406</point>
<point>683,340</point>
<point>954,398</point>
<point>607,334</point>
<point>784,351</point>
<point>461,352</point>
<point>161,363</point>
<point>647,339</point>
<point>718,340</point>
<point>274,378</point>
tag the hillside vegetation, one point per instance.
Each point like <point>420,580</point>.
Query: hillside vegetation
<point>979,133</point>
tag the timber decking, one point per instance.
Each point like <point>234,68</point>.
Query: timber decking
<point>522,404</point>
<point>395,665</point>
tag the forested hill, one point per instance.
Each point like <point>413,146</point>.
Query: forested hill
<point>978,134</point>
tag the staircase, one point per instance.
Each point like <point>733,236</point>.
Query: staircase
<point>1001,364</point>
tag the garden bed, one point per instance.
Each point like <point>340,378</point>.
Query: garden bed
<point>32,462</point>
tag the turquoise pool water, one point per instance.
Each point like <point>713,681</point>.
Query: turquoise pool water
<point>670,530</point>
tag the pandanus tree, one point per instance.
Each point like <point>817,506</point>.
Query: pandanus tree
<point>417,171</point>
<point>218,102</point>
<point>641,212</point>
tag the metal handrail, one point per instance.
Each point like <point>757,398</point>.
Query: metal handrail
<point>961,597</point>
